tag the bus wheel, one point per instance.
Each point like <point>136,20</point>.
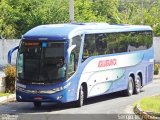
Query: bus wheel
<point>37,104</point>
<point>129,90</point>
<point>137,87</point>
<point>81,97</point>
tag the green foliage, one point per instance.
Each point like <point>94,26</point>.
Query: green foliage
<point>151,104</point>
<point>18,16</point>
<point>10,72</point>
<point>4,94</point>
<point>7,19</point>
<point>107,9</point>
<point>84,12</point>
<point>145,12</point>
<point>156,69</point>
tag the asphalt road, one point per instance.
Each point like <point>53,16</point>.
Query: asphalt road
<point>111,104</point>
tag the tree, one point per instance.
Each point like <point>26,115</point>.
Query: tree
<point>19,16</point>
<point>84,12</point>
<point>7,19</point>
<point>107,9</point>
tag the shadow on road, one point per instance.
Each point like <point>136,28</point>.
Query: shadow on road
<point>26,107</point>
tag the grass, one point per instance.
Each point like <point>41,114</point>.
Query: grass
<point>4,94</point>
<point>151,104</point>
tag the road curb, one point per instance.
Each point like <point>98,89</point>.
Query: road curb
<point>144,115</point>
<point>8,98</point>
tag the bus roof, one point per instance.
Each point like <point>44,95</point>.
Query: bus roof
<point>61,32</point>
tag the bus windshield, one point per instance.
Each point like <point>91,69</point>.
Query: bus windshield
<point>41,62</point>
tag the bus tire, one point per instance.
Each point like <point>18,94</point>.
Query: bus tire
<point>37,104</point>
<point>80,101</point>
<point>137,87</point>
<point>130,88</point>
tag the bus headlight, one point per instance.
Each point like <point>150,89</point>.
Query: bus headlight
<point>20,85</point>
<point>61,88</point>
<point>59,97</point>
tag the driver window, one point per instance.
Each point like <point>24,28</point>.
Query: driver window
<point>20,66</point>
<point>71,65</point>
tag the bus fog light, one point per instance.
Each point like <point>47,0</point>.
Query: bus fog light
<point>59,97</point>
<point>19,97</point>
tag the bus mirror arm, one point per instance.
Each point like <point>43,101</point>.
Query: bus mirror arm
<point>10,54</point>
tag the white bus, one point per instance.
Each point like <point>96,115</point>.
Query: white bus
<point>72,62</point>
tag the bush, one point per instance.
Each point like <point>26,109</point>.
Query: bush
<point>10,72</point>
<point>156,69</point>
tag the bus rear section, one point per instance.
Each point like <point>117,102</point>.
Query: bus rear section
<point>117,61</point>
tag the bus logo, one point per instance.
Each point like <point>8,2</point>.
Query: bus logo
<point>107,63</point>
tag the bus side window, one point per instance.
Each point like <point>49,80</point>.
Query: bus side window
<point>20,65</point>
<point>76,41</point>
<point>89,47</point>
<point>71,65</point>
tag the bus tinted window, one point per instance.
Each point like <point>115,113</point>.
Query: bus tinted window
<point>89,46</point>
<point>76,41</point>
<point>109,43</point>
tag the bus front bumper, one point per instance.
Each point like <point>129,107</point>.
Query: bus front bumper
<point>58,97</point>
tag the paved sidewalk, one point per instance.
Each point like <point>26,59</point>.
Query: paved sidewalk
<point>156,77</point>
<point>8,98</point>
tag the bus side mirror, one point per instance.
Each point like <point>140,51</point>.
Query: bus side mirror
<point>10,54</point>
<point>69,50</point>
